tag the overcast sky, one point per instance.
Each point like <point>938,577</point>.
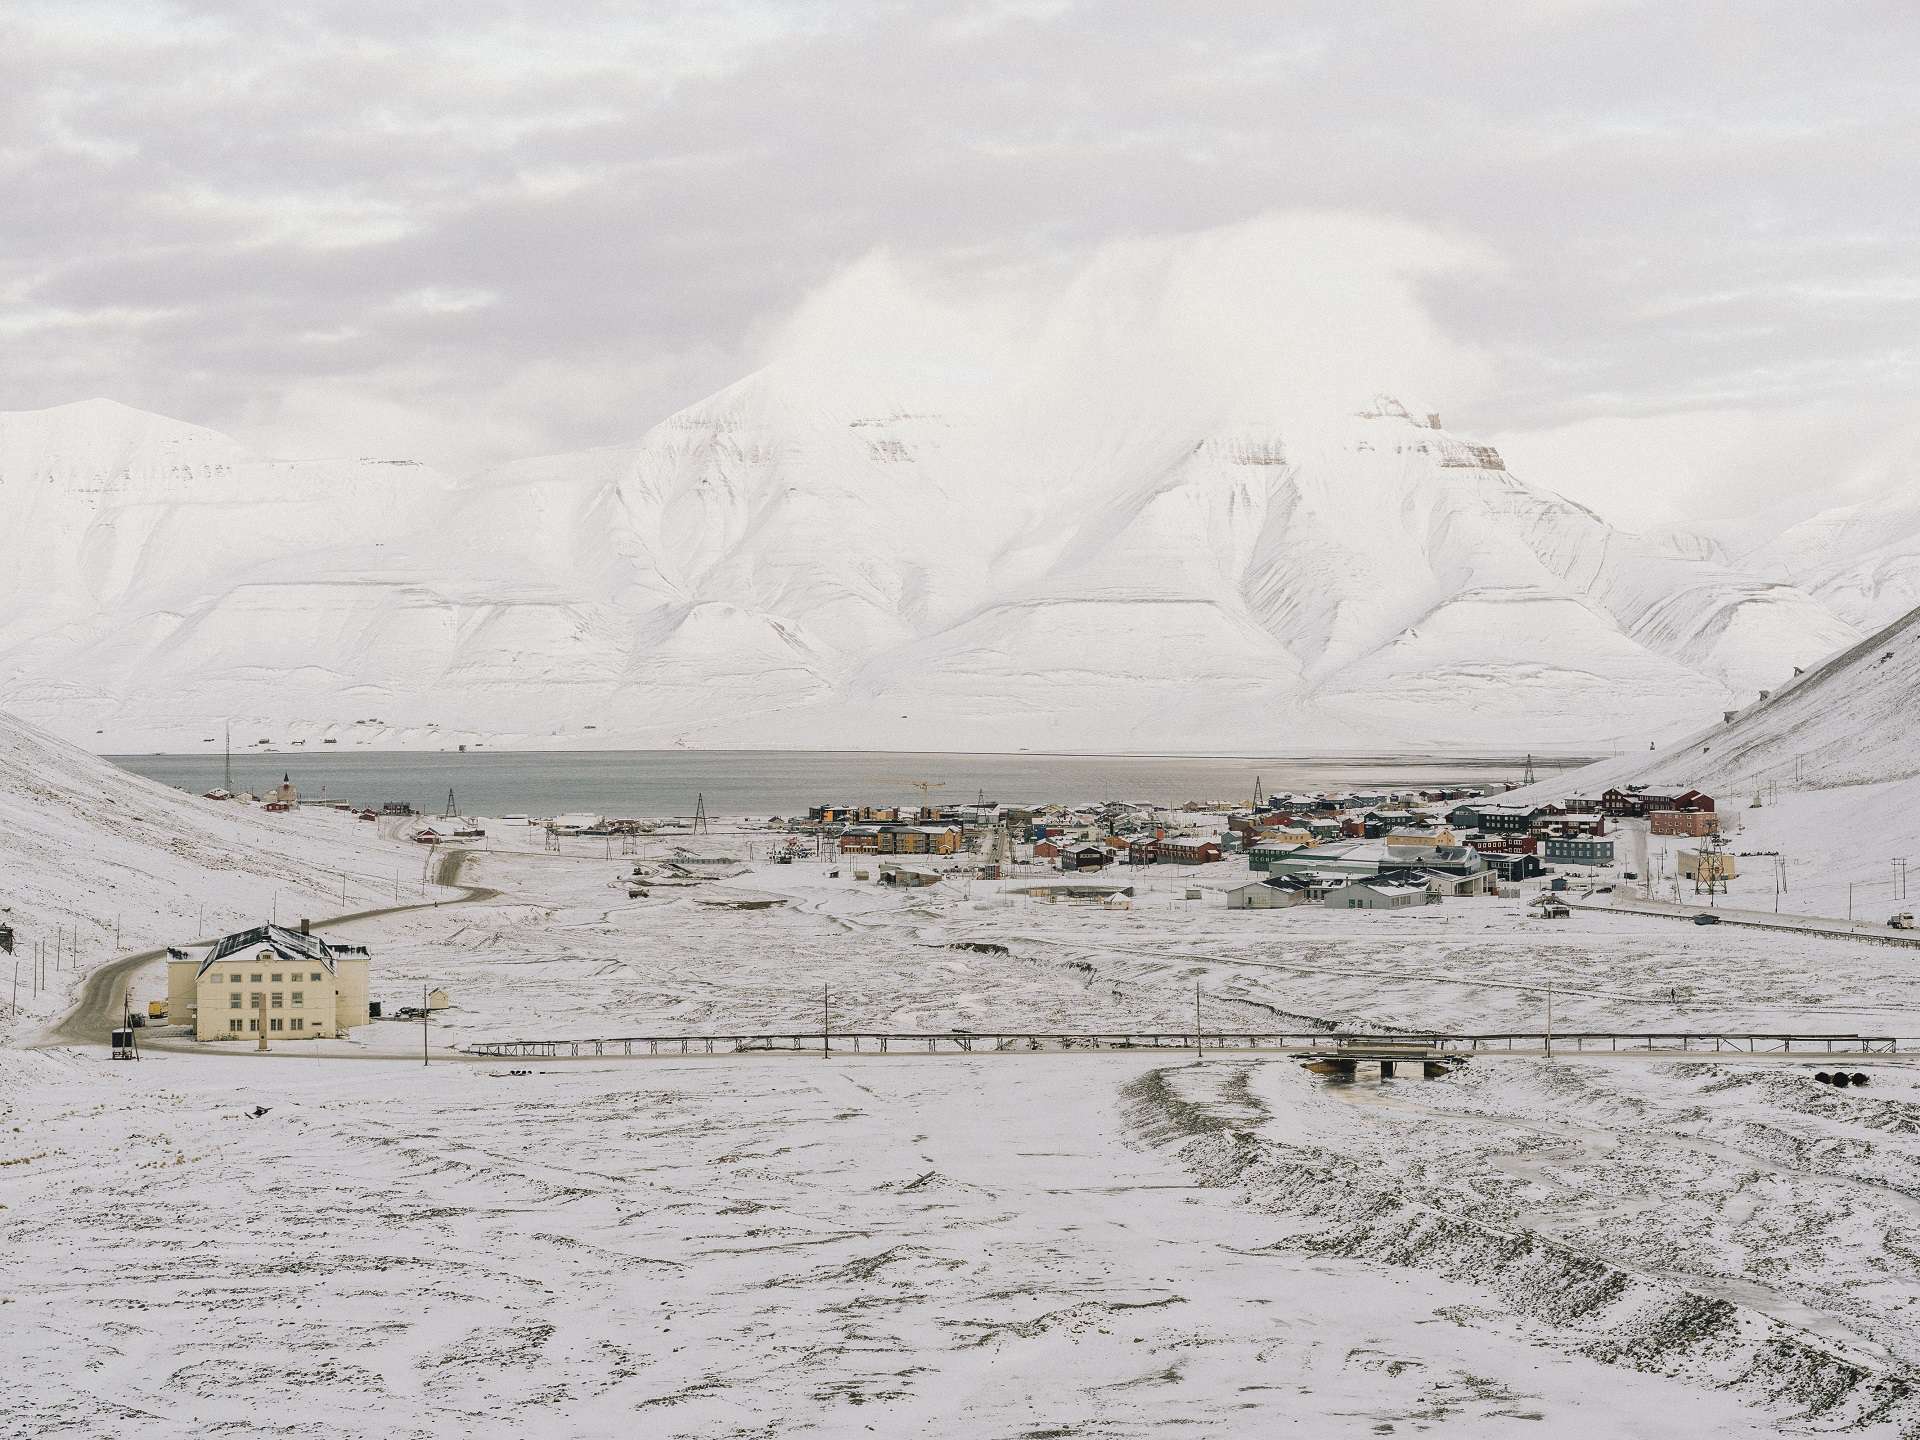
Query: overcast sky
<point>1679,240</point>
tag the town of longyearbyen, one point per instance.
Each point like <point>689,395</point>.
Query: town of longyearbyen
<point>996,719</point>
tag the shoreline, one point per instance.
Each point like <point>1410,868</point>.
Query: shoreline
<point>1550,759</point>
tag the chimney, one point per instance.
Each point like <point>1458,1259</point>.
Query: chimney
<point>303,925</point>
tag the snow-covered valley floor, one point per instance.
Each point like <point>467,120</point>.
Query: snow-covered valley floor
<point>1086,1245</point>
<point>757,1248</point>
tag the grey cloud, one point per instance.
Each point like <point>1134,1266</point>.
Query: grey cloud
<point>1679,197</point>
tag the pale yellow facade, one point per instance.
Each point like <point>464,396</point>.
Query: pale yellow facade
<point>314,996</point>
<point>1283,835</point>
<point>1705,865</point>
<point>1442,836</point>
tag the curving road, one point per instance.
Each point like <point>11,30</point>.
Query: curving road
<point>98,1010</point>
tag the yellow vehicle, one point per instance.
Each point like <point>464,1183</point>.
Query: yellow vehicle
<point>156,1009</point>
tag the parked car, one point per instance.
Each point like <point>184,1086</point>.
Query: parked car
<point>1706,919</point>
<point>1630,875</point>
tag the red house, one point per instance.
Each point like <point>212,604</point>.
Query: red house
<point>1188,850</point>
<point>1642,800</point>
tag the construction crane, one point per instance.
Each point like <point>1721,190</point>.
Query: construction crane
<point>926,787</point>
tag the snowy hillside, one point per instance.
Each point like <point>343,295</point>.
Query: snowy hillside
<point>798,563</point>
<point>1845,722</point>
<point>88,852</point>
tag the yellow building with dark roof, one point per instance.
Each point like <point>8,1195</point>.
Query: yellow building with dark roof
<point>294,983</point>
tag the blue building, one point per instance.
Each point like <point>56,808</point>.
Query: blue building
<point>1580,850</point>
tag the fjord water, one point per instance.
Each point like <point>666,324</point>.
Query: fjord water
<point>783,782</point>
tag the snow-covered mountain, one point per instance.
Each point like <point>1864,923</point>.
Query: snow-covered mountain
<point>805,564</point>
<point>1862,561</point>
<point>160,570</point>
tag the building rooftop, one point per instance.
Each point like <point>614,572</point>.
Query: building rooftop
<point>287,944</point>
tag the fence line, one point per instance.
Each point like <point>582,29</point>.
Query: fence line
<point>1828,926</point>
<point>988,1042</point>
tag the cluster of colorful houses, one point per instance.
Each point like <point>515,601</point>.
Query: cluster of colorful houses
<point>1349,851</point>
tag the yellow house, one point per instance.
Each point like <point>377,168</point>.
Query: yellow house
<point>1707,865</point>
<point>312,990</point>
<point>1283,835</point>
<point>1442,836</point>
<point>918,839</point>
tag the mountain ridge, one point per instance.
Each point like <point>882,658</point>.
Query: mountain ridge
<point>780,564</point>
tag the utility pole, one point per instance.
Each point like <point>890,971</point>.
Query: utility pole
<point>425,1058</point>
<point>260,1005</point>
<point>1199,1048</point>
<point>825,1023</point>
<point>1549,1020</point>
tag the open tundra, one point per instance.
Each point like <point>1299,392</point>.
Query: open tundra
<point>1082,1243</point>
